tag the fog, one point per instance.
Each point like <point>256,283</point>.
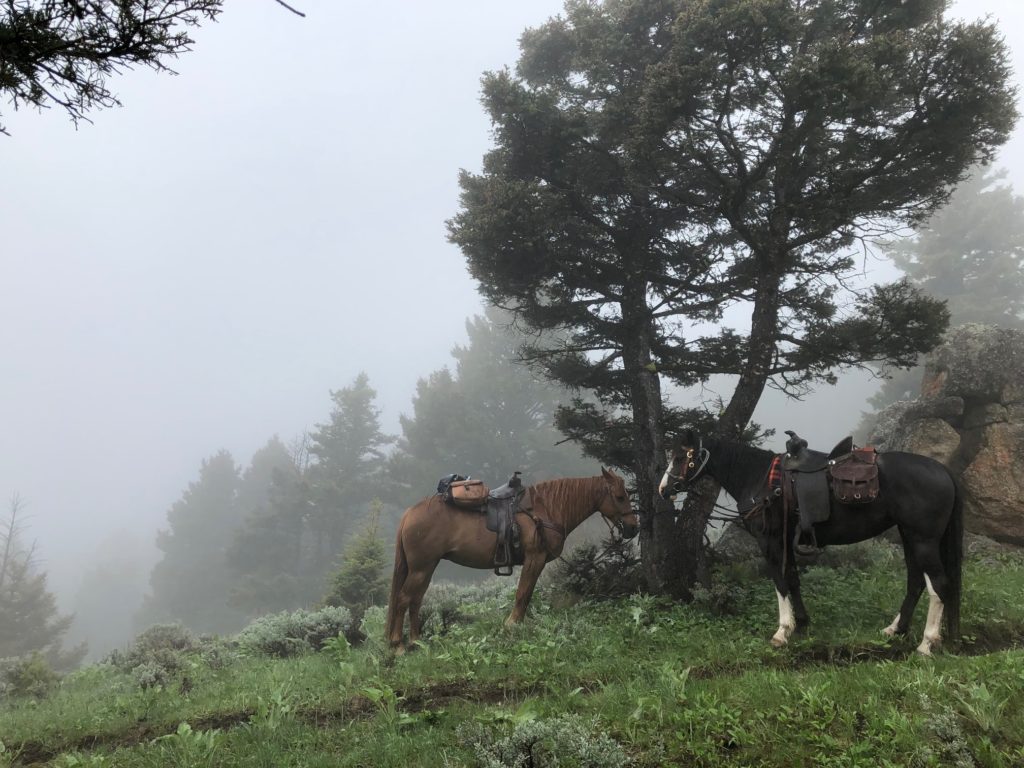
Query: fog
<point>196,270</point>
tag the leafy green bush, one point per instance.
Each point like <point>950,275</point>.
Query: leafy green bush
<point>156,655</point>
<point>161,643</point>
<point>27,676</point>
<point>290,634</point>
<point>560,741</point>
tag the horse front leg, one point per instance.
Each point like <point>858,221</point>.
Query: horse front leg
<point>532,567</point>
<point>791,607</point>
<point>787,619</point>
<point>796,599</point>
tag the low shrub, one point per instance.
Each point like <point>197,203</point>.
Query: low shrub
<point>29,675</point>
<point>560,741</point>
<point>290,634</point>
<point>156,655</point>
<point>606,571</point>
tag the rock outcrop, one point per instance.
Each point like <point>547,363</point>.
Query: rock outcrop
<point>970,416</point>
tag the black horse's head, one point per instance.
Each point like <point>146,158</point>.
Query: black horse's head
<point>688,460</point>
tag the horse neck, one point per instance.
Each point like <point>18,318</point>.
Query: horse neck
<point>740,469</point>
<point>571,500</point>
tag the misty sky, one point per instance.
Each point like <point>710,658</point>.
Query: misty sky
<point>195,270</point>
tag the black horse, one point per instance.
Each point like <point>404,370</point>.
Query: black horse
<point>917,494</point>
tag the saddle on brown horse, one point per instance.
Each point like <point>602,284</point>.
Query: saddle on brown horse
<point>811,479</point>
<point>500,507</point>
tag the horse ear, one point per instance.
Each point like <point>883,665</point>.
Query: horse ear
<point>606,474</point>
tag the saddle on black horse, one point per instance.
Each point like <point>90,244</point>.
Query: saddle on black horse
<point>811,479</point>
<point>500,507</point>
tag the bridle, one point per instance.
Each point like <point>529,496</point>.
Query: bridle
<point>685,479</point>
<point>616,526</point>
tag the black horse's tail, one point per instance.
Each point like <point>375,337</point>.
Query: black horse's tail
<point>952,553</point>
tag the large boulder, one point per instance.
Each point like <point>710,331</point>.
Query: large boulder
<point>970,416</point>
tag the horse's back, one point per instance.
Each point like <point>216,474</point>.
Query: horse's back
<point>913,471</point>
<point>916,487</point>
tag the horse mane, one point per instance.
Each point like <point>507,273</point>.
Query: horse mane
<point>740,466</point>
<point>565,492</point>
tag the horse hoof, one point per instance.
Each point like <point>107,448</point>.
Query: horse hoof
<point>779,642</point>
<point>889,631</point>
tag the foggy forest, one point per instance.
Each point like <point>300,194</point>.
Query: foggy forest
<point>281,277</point>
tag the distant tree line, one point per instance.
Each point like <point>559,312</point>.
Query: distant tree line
<point>289,530</point>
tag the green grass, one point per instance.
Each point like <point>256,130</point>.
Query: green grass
<point>671,684</point>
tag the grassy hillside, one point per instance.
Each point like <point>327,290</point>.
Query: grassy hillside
<point>634,682</point>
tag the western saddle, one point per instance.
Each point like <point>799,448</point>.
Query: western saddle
<point>499,507</point>
<point>810,479</point>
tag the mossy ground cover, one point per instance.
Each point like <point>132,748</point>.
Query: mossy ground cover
<point>665,684</point>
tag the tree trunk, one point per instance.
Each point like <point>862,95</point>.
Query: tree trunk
<point>764,325</point>
<point>658,528</point>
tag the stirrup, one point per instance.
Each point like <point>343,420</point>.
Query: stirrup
<point>804,549</point>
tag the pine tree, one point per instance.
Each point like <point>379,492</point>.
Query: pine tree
<point>191,583</point>
<point>362,579</point>
<point>346,472</point>
<point>266,554</point>
<point>29,621</point>
<point>968,253</point>
<point>657,162</point>
<point>490,417</point>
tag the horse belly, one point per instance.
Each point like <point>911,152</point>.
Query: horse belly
<point>850,524</point>
<point>472,546</point>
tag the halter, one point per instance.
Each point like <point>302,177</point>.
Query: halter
<point>685,479</point>
<point>617,526</point>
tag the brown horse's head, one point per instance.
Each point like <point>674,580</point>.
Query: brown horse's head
<point>615,505</point>
<point>689,457</point>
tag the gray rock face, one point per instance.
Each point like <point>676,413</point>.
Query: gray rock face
<point>970,416</point>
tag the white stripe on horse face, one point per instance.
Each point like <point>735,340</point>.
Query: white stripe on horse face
<point>663,484</point>
<point>787,621</point>
<point>933,624</point>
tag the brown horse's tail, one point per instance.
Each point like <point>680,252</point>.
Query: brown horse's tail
<point>397,581</point>
<point>952,554</point>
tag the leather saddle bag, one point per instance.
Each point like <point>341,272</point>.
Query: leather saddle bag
<point>471,494</point>
<point>855,477</point>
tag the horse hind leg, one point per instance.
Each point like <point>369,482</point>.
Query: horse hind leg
<point>416,593</point>
<point>938,590</point>
<point>915,586</point>
<point>933,624</point>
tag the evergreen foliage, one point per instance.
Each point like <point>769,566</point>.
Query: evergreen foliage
<point>346,472</point>
<point>30,624</point>
<point>62,52</point>
<point>282,555</point>
<point>969,253</point>
<point>489,417</point>
<point>362,580</point>
<point>658,162</point>
<point>265,554</point>
<point>191,582</point>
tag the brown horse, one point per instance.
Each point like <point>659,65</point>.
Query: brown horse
<point>433,530</point>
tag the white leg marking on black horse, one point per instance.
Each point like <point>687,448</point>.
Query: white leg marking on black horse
<point>787,621</point>
<point>933,625</point>
<point>891,629</point>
